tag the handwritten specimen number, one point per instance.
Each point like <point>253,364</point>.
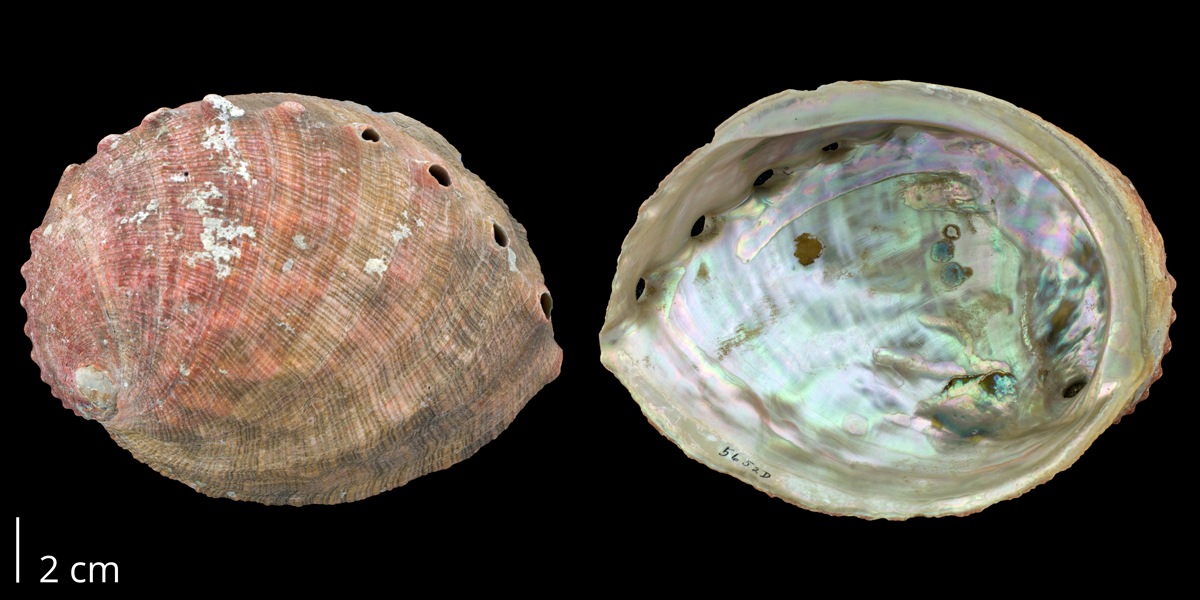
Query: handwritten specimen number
<point>748,463</point>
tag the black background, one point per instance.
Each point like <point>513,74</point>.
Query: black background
<point>574,132</point>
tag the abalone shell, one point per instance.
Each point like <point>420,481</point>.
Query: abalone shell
<point>889,299</point>
<point>287,299</point>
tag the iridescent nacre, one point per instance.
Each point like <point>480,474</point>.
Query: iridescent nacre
<point>889,300</point>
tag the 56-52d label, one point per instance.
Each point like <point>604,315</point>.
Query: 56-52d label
<point>745,461</point>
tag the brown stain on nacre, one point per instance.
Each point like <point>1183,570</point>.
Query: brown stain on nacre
<point>743,333</point>
<point>808,248</point>
<point>400,341</point>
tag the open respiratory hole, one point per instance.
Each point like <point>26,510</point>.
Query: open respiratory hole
<point>698,226</point>
<point>831,147</point>
<point>498,233</point>
<point>547,304</point>
<point>641,287</point>
<point>440,174</point>
<point>764,177</point>
<point>1073,390</point>
<point>370,135</point>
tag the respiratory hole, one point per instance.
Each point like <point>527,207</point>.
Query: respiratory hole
<point>1073,390</point>
<point>440,174</point>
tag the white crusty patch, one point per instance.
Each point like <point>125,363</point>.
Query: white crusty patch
<point>224,106</point>
<point>298,240</point>
<point>200,195</point>
<point>141,215</point>
<point>401,233</point>
<point>241,170</point>
<point>219,138</point>
<point>287,266</point>
<point>375,265</point>
<point>512,260</point>
<point>216,250</point>
<point>178,177</point>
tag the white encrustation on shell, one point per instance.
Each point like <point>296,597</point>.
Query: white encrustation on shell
<point>889,299</point>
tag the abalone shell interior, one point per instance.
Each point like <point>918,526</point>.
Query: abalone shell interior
<point>890,305</point>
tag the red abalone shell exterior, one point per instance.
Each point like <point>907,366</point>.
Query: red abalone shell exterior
<point>287,299</point>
